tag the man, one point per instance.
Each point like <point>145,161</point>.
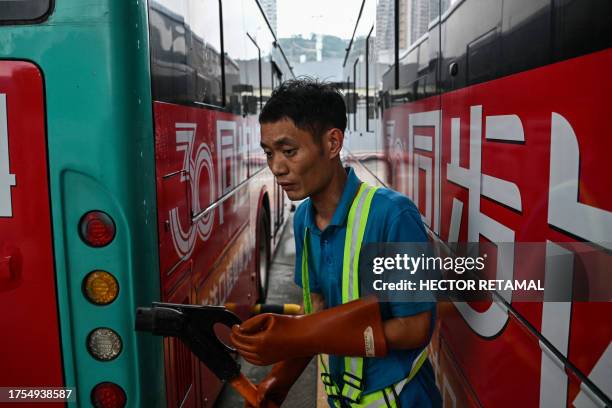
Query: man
<point>377,355</point>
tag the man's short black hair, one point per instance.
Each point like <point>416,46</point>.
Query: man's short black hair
<point>313,106</point>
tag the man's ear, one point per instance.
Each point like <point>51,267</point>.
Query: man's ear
<point>334,138</point>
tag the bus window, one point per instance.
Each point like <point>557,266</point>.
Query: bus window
<point>234,51</point>
<point>23,11</point>
<point>526,35</point>
<point>242,62</point>
<point>483,56</point>
<point>168,59</point>
<point>179,76</point>
<point>253,72</point>
<point>203,21</point>
<point>580,27</point>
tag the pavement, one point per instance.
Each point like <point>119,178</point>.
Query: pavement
<point>281,290</point>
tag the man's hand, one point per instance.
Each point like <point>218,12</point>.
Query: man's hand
<point>283,375</point>
<point>267,338</point>
<point>275,387</point>
<point>270,390</point>
<point>351,329</point>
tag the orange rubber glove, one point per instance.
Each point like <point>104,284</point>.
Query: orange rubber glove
<point>352,329</point>
<point>275,387</point>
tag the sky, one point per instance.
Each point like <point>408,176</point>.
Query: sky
<point>332,17</point>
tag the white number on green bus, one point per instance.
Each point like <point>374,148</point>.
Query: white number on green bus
<point>7,180</point>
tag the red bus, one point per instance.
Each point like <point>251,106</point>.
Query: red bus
<point>491,116</point>
<point>219,210</point>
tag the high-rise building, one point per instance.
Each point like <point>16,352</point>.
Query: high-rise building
<point>385,28</point>
<point>419,18</point>
<point>384,24</point>
<point>384,36</point>
<point>269,7</point>
<point>414,18</point>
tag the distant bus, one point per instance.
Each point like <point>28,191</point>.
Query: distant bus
<point>130,172</point>
<point>493,117</point>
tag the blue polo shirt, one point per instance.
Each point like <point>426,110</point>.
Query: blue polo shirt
<point>393,218</point>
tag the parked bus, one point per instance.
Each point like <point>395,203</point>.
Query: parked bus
<point>492,116</point>
<point>130,172</point>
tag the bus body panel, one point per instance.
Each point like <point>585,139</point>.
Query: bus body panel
<point>179,363</point>
<point>30,351</point>
<point>201,158</point>
<point>210,195</point>
<point>94,58</point>
<point>202,170</point>
<point>232,280</point>
<point>213,186</point>
<point>540,116</point>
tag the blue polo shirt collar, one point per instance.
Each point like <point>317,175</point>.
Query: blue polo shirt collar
<point>341,213</point>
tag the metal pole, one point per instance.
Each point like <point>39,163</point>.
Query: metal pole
<point>396,11</point>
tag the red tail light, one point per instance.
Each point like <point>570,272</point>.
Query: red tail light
<point>108,395</point>
<point>97,229</point>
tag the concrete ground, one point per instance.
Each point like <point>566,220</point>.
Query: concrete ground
<point>281,290</point>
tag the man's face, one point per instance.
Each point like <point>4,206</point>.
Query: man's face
<point>300,165</point>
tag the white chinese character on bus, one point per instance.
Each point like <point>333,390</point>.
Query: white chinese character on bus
<point>226,156</point>
<point>564,211</point>
<point>7,180</point>
<point>592,224</point>
<point>500,128</point>
<point>410,158</point>
<point>417,145</point>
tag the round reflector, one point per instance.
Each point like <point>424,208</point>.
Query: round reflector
<point>100,287</point>
<point>97,229</point>
<point>104,344</point>
<point>108,395</point>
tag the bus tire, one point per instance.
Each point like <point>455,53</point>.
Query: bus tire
<point>263,256</point>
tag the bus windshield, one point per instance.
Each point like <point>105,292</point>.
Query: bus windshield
<point>14,11</point>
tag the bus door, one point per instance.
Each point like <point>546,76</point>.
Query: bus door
<point>277,77</point>
<point>30,354</point>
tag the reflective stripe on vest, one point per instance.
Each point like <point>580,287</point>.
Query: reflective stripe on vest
<point>351,394</point>
<point>355,230</point>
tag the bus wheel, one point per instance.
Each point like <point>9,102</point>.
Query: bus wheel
<point>263,256</point>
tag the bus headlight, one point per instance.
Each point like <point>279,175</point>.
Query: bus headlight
<point>104,344</point>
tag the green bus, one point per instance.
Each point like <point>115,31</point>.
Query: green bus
<point>130,172</point>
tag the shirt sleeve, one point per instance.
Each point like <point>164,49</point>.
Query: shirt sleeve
<point>407,226</point>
